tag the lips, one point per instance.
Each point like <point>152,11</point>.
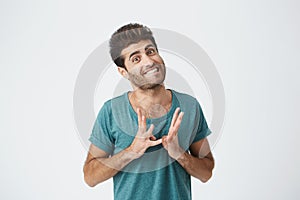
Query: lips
<point>153,69</point>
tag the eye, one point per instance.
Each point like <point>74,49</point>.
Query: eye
<point>136,59</point>
<point>151,52</point>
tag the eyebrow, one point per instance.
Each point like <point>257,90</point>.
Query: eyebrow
<point>136,52</point>
<point>149,45</point>
<point>133,53</point>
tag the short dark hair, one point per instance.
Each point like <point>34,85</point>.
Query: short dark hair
<point>125,36</point>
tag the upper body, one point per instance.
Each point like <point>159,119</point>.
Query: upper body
<point>150,139</point>
<point>154,173</point>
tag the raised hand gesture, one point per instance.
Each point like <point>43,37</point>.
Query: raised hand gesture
<point>170,142</point>
<point>144,138</point>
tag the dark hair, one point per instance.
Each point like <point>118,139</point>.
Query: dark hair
<point>125,36</point>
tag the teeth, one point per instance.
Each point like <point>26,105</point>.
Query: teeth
<point>152,71</point>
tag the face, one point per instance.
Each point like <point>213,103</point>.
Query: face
<point>145,67</point>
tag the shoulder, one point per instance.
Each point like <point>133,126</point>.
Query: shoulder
<point>121,99</point>
<point>114,102</point>
<point>184,98</point>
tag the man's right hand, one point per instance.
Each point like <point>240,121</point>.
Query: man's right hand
<point>96,172</point>
<point>143,139</point>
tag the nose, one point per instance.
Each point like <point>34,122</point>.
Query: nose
<point>147,61</point>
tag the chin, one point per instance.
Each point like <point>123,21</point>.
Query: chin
<point>149,86</point>
<point>154,84</point>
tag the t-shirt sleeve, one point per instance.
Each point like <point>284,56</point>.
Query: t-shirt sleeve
<point>201,125</point>
<point>101,135</point>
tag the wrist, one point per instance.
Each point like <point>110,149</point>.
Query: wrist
<point>179,154</point>
<point>183,158</point>
<point>131,154</point>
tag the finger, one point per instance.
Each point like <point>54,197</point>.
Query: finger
<point>152,137</point>
<point>141,120</point>
<point>175,116</point>
<point>178,122</point>
<point>164,141</point>
<point>139,114</point>
<point>143,125</point>
<point>156,142</point>
<point>150,130</point>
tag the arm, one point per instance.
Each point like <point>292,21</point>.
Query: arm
<point>100,167</point>
<point>200,162</point>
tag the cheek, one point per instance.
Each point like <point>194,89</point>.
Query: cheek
<point>128,64</point>
<point>135,70</point>
<point>160,60</point>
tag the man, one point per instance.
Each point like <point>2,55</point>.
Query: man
<point>152,139</point>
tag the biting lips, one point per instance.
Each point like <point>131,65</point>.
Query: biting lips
<point>151,70</point>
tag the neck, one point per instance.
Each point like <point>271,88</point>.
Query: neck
<point>154,93</point>
<point>155,100</point>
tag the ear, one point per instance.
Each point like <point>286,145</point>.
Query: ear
<point>123,72</point>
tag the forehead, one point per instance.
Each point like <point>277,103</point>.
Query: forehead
<point>140,46</point>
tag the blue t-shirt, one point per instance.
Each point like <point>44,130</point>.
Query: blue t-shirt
<point>154,176</point>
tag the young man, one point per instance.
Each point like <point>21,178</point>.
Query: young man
<point>152,139</point>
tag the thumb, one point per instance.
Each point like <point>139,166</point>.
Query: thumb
<point>156,142</point>
<point>165,141</point>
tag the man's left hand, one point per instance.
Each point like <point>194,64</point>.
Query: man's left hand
<point>170,141</point>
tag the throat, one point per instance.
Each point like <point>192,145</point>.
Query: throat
<point>152,107</point>
<point>157,111</point>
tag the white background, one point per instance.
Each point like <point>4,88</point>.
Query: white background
<point>254,45</point>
